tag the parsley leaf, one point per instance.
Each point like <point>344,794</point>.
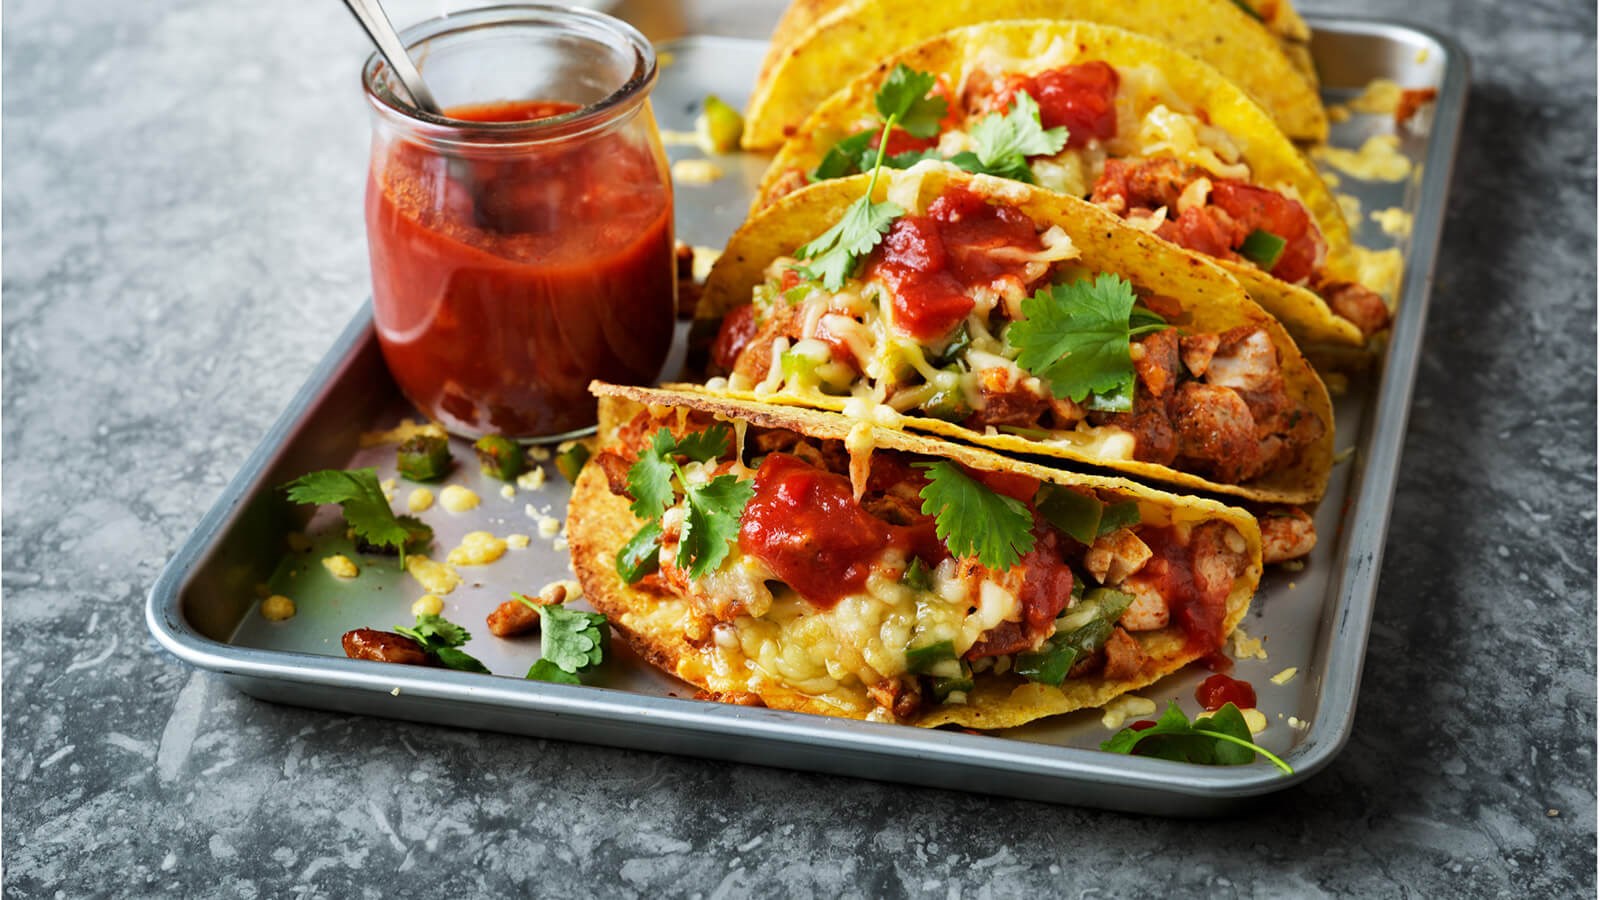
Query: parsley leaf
<point>973,520</point>
<point>571,640</point>
<point>904,98</point>
<point>650,478</point>
<point>1004,143</point>
<point>358,495</point>
<point>704,446</point>
<point>1220,739</point>
<point>848,157</point>
<point>1076,337</point>
<point>713,521</point>
<point>440,638</point>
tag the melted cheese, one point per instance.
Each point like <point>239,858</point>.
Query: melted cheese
<point>1378,159</point>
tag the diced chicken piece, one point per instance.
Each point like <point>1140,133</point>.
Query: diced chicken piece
<point>1197,351</point>
<point>900,696</point>
<point>792,179</point>
<point>1115,556</point>
<point>1217,553</point>
<point>1006,401</point>
<point>783,320</point>
<point>1124,657</point>
<point>1287,532</point>
<point>1245,361</point>
<point>1359,304</point>
<point>1148,611</point>
<point>1157,364</point>
<point>1216,431</point>
<point>616,467</point>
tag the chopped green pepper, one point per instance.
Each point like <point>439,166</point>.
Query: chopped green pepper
<point>641,555</point>
<point>423,457</point>
<point>944,687</point>
<point>1076,514</point>
<point>500,457</point>
<point>569,462</point>
<point>917,576</point>
<point>1038,434</point>
<point>923,659</point>
<point>949,404</point>
<point>1119,515</point>
<point>720,124</point>
<point>953,350</point>
<point>1263,248</point>
<point>1051,663</point>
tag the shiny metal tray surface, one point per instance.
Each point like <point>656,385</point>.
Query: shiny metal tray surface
<point>204,607</point>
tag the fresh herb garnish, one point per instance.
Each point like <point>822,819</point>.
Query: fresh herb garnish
<point>1004,142</point>
<point>366,509</point>
<point>1076,337</point>
<point>973,520</point>
<point>570,642</point>
<point>440,638</point>
<point>903,100</point>
<point>1263,248</point>
<point>1220,739</point>
<point>713,507</point>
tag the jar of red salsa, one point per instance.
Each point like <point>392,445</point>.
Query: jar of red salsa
<point>521,244</point>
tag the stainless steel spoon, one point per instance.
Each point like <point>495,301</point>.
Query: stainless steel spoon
<point>376,23</point>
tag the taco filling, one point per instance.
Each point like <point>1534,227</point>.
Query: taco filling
<point>887,584</point>
<point>973,314</point>
<point>1123,138</point>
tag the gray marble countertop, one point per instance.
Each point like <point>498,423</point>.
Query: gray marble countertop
<point>183,239</point>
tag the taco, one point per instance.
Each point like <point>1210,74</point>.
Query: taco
<point>1144,130</point>
<point>805,68</point>
<point>1024,321</point>
<point>795,559</point>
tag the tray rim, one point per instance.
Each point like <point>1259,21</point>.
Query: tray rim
<point>1361,549</point>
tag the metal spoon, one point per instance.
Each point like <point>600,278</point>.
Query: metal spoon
<point>376,24</point>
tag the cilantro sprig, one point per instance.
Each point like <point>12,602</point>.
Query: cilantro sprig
<point>1076,337</point>
<point>1004,142</point>
<point>1220,739</point>
<point>358,495</point>
<point>904,100</point>
<point>571,642</point>
<point>656,480</point>
<point>440,638</point>
<point>973,520</point>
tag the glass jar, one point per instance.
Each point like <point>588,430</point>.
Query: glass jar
<point>521,244</point>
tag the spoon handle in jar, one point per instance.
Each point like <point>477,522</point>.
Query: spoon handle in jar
<point>372,18</point>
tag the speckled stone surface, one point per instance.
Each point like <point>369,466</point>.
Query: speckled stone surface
<point>183,239</point>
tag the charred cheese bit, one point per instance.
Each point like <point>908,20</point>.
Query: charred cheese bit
<point>518,541</point>
<point>435,577</point>
<point>1124,708</point>
<point>549,527</point>
<point>1394,221</point>
<point>1350,208</point>
<point>1378,159</point>
<point>403,432</point>
<point>1286,676</point>
<point>1381,96</point>
<point>276,608</point>
<point>478,548</point>
<point>388,486</point>
<point>340,566</point>
<point>458,499</point>
<point>427,605</point>
<point>1380,270</point>
<point>531,480</point>
<point>420,500</point>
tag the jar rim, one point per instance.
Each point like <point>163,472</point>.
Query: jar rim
<point>578,121</point>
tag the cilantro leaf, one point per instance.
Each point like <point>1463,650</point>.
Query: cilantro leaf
<point>545,670</point>
<point>713,521</point>
<point>848,157</point>
<point>904,98</point>
<point>973,520</point>
<point>704,446</point>
<point>1221,739</point>
<point>835,253</point>
<point>570,639</point>
<point>1076,337</point>
<point>440,637</point>
<point>356,491</point>
<point>650,478</point>
<point>1004,142</point>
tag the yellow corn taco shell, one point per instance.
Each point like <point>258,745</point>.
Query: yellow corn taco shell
<point>653,620</point>
<point>856,33</point>
<point>1030,47</point>
<point>1211,298</point>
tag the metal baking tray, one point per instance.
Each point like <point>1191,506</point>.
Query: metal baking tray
<point>204,609</point>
